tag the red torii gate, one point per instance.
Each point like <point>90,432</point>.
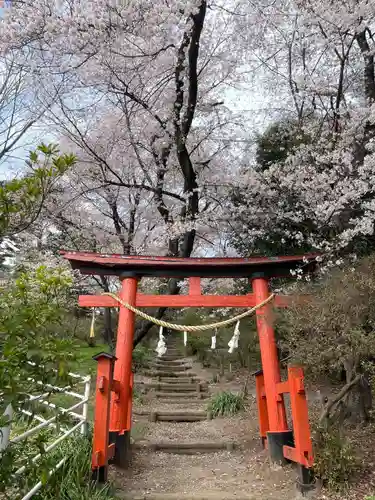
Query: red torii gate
<point>113,418</point>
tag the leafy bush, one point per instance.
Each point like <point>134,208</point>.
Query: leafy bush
<point>197,345</point>
<point>333,329</point>
<point>141,357</point>
<point>335,459</point>
<point>331,333</point>
<point>226,403</point>
<point>31,310</point>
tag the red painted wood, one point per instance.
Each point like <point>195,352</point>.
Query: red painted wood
<point>300,417</point>
<point>191,261</point>
<point>270,360</point>
<point>130,405</point>
<point>293,455</point>
<point>194,286</point>
<point>264,425</point>
<point>102,412</point>
<point>124,352</point>
<point>184,301</point>
<point>283,387</point>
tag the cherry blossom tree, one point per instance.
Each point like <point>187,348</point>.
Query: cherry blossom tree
<point>19,112</point>
<point>318,59</point>
<point>141,88</point>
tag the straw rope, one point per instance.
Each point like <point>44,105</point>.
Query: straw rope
<point>190,328</point>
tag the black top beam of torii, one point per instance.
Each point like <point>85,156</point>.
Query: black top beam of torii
<point>175,267</point>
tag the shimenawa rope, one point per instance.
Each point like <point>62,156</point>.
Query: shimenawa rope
<point>190,328</point>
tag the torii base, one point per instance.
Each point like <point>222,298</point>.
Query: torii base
<point>100,475</point>
<point>276,441</point>
<point>306,480</point>
<point>122,456</point>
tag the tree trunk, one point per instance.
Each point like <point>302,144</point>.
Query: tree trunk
<point>108,334</point>
<point>354,401</point>
<point>358,401</point>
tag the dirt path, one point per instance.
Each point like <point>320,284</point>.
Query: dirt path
<point>244,473</point>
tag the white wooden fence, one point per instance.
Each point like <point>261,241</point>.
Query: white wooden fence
<point>82,425</point>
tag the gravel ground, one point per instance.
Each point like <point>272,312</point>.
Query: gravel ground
<point>238,429</point>
<point>248,475</point>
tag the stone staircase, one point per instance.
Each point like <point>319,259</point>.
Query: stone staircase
<point>174,382</point>
<point>184,455</point>
<point>177,386</point>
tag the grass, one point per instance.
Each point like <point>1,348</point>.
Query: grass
<point>73,481</point>
<point>85,365</point>
<point>225,404</point>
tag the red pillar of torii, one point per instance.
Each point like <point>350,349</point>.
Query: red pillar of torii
<point>282,442</point>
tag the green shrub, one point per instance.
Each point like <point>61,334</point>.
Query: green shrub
<point>196,345</point>
<point>141,357</point>
<point>225,403</point>
<point>335,459</point>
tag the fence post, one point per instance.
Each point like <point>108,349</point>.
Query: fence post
<point>101,451</point>
<point>5,431</point>
<point>85,408</point>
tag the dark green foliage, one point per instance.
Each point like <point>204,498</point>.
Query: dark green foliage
<point>225,404</point>
<point>273,147</point>
<point>335,460</point>
<point>277,142</point>
<point>198,344</point>
<point>73,481</point>
<point>142,356</point>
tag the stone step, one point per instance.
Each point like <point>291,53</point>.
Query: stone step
<point>175,358</point>
<point>182,395</point>
<point>177,380</point>
<point>179,416</point>
<point>169,371</point>
<point>172,364</point>
<point>159,386</point>
<point>183,402</point>
<point>170,368</point>
<point>171,360</point>
<point>160,373</point>
<point>184,448</point>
